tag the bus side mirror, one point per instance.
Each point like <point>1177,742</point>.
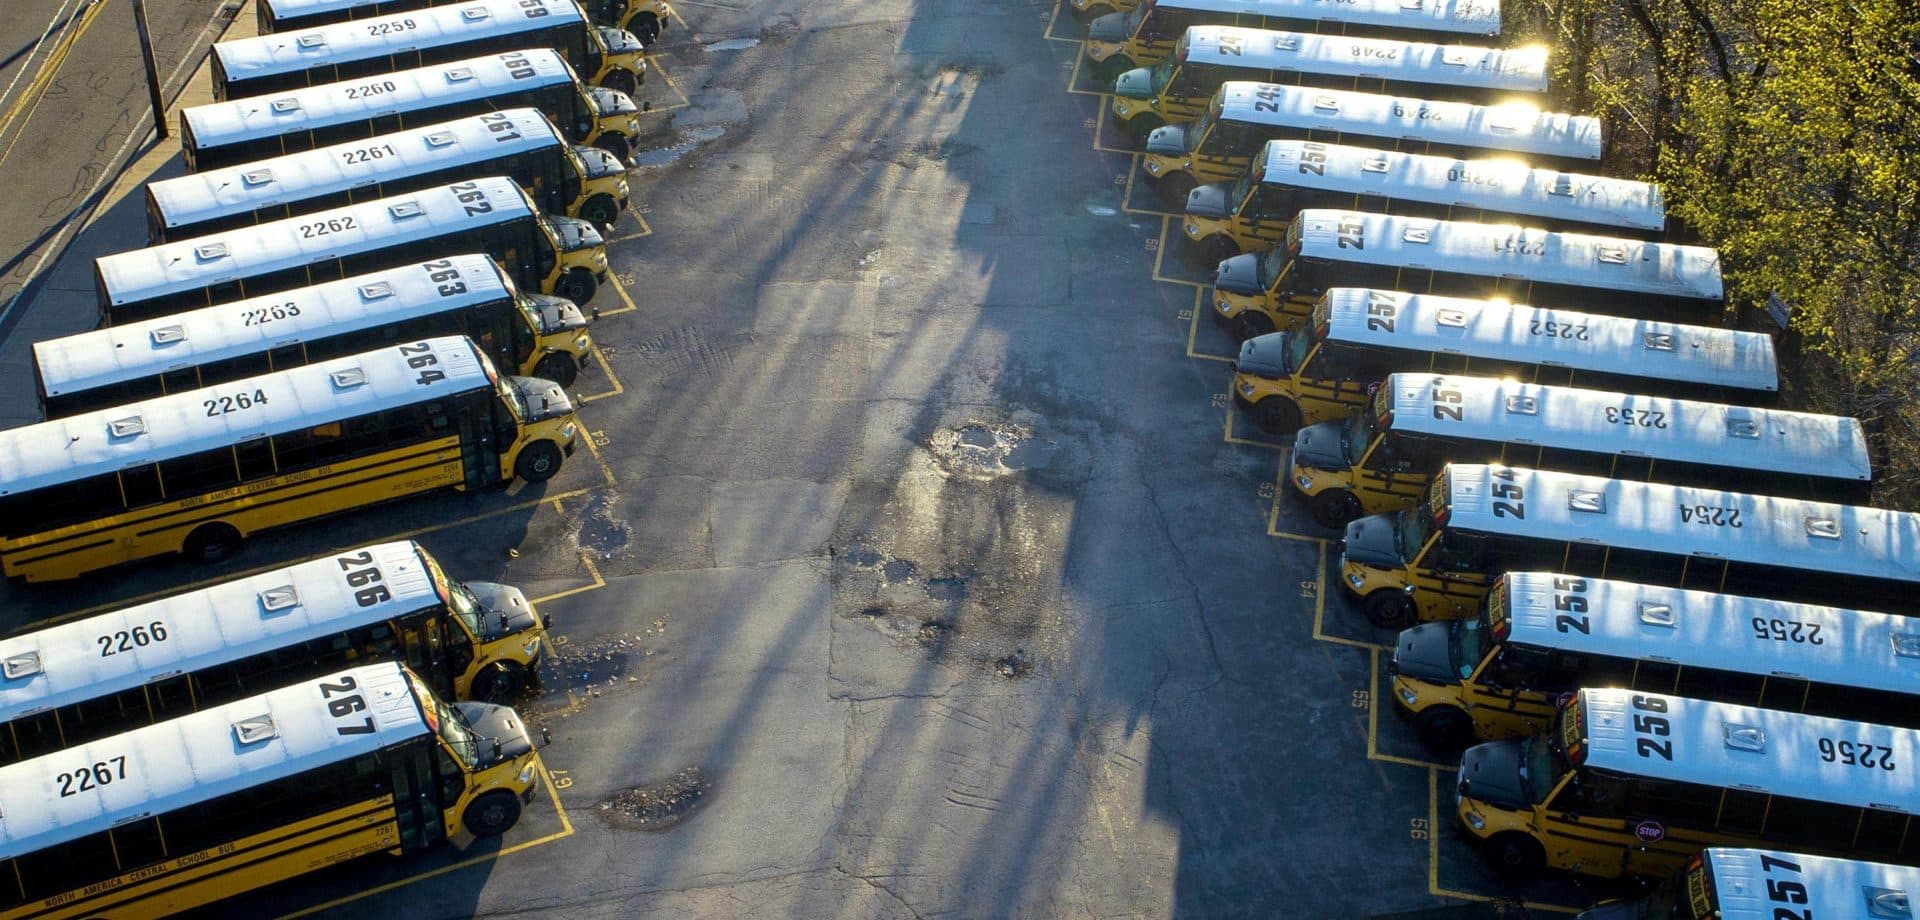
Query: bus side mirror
<point>546,736</point>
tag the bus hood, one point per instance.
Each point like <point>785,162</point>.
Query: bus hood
<point>1168,140</point>
<point>1491,773</point>
<point>611,101</point>
<point>1239,274</point>
<point>1422,653</point>
<point>1261,356</point>
<point>575,234</point>
<point>1209,200</point>
<point>1318,447</point>
<point>599,163</point>
<point>621,41</point>
<point>1134,84</point>
<point>1109,28</point>
<point>1369,541</point>
<point>556,313</point>
<point>544,398</point>
<point>505,610</point>
<point>502,736</point>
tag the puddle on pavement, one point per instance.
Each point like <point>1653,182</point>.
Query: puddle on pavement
<point>731,44</point>
<point>658,157</point>
<point>660,805</point>
<point>978,450</point>
<point>1101,210</point>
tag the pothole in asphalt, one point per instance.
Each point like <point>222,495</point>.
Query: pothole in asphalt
<point>978,450</point>
<point>657,806</point>
<point>1014,666</point>
<point>600,532</point>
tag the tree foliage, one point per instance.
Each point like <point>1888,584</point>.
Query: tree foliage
<point>1787,133</point>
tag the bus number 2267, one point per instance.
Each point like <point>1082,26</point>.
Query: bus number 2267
<point>342,702</point>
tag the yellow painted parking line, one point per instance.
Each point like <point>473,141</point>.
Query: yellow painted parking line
<point>1433,858</point>
<point>618,387</point>
<point>593,570</point>
<point>661,70</point>
<point>1252,442</point>
<point>1373,722</point>
<point>646,229</point>
<point>620,289</point>
<point>1320,605</point>
<point>37,87</point>
<point>1100,120</point>
<point>565,831</point>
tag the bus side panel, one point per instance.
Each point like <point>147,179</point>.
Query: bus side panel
<point>262,505</point>
<point>202,878</point>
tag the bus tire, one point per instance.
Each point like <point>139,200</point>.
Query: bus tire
<point>558,367</point>
<point>1139,126</point>
<point>499,682</point>
<point>577,285</point>
<point>1277,415</point>
<point>602,212</point>
<point>1443,728</point>
<point>1510,854</point>
<point>1334,508</point>
<point>1252,323</point>
<point>1388,609</point>
<point>538,462</point>
<point>1175,187</point>
<point>492,814</point>
<point>645,27</point>
<point>211,544</point>
<point>622,81</point>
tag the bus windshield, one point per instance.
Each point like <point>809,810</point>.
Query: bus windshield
<point>1541,765</point>
<point>1468,642</point>
<point>1163,71</point>
<point>1361,427</point>
<point>465,606</point>
<point>1272,263</point>
<point>1299,345</point>
<point>1411,533</point>
<point>517,402</point>
<point>1138,15</point>
<point>458,735</point>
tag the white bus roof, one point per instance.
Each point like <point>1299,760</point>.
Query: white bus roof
<point>199,757</point>
<point>1854,540</point>
<point>245,252</point>
<point>200,197</point>
<point>236,121</point>
<point>1474,17</point>
<point>1519,70</point>
<point>61,665</point>
<point>1514,127</point>
<point>149,348</point>
<point>287,8</point>
<point>1848,648</point>
<point>1511,251</point>
<point>1504,331</point>
<point>1761,750</point>
<point>1834,887</point>
<point>304,49</point>
<point>1507,186</point>
<point>113,439</point>
<point>1667,430</point>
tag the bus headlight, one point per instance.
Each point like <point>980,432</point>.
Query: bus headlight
<point>1356,580</point>
<point>1407,695</point>
<point>526,773</point>
<point>1192,228</point>
<point>568,431</point>
<point>1221,304</point>
<point>1153,167</point>
<point>633,126</point>
<point>581,343</point>
<point>1302,480</point>
<point>622,188</point>
<point>1476,822</point>
<point>1246,388</point>
<point>1121,109</point>
<point>532,648</point>
<point>600,258</point>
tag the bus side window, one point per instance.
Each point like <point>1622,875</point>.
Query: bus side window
<point>1655,676</point>
<point>139,843</point>
<point>378,642</point>
<point>1642,566</point>
<point>197,474</point>
<point>1671,803</point>
<point>1459,551</point>
<point>1602,671</point>
<point>255,458</point>
<point>170,697</point>
<point>452,781</point>
<point>63,867</point>
<point>141,485</point>
<point>1819,825</point>
<point>1714,684</point>
<point>1590,795</point>
<point>1883,835</point>
<point>34,735</point>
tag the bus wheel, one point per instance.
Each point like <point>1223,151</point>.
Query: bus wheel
<point>1443,728</point>
<point>601,212</point>
<point>1139,126</point>
<point>1252,323</point>
<point>1388,609</point>
<point>1277,415</point>
<point>1174,188</point>
<point>1334,508</point>
<point>645,27</point>
<point>1512,853</point>
<point>499,682</point>
<point>622,81</point>
<point>559,368</point>
<point>577,285</point>
<point>212,543</point>
<point>538,462</point>
<point>492,814</point>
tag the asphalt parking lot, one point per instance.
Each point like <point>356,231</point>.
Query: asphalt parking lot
<point>920,565</point>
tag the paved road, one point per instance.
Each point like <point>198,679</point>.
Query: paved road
<point>917,569</point>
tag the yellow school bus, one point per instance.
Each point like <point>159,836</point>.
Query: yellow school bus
<point>1629,783</point>
<point>190,811</point>
<point>194,473</point>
